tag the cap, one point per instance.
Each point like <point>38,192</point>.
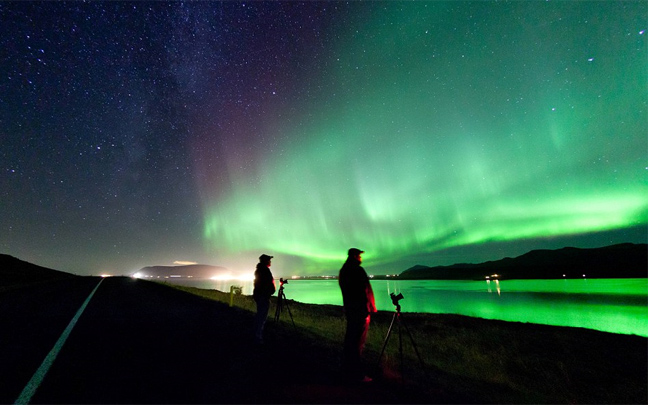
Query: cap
<point>355,252</point>
<point>265,258</point>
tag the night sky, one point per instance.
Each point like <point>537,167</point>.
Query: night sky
<point>154,133</point>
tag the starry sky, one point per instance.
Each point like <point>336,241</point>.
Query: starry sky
<point>154,133</point>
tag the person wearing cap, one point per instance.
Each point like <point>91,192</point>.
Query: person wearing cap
<point>359,304</point>
<point>264,287</point>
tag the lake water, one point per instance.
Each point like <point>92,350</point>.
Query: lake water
<point>610,305</point>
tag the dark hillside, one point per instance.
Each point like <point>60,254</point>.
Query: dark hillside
<point>16,272</point>
<point>617,261</point>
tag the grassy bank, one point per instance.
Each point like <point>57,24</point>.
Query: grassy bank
<point>480,360</point>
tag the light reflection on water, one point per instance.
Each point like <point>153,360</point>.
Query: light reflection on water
<point>611,305</point>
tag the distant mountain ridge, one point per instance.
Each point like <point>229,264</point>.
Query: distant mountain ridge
<point>626,260</point>
<point>192,270</point>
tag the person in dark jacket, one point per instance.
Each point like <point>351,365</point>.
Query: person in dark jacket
<point>359,304</point>
<point>264,287</point>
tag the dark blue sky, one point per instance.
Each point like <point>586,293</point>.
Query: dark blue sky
<point>144,133</point>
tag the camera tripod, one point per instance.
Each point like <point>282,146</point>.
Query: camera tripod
<point>399,321</point>
<point>281,301</point>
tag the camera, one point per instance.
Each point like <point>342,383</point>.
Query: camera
<point>283,281</point>
<point>396,298</point>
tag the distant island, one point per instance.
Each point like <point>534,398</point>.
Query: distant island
<point>188,271</point>
<point>625,260</point>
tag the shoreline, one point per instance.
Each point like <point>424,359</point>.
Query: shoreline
<point>592,304</point>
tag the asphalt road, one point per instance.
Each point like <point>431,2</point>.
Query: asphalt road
<point>140,342</point>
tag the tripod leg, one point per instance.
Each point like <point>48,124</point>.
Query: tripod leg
<point>386,339</point>
<point>289,313</point>
<point>414,345</point>
<point>278,310</point>
<point>400,348</point>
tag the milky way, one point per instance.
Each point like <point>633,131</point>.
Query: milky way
<point>422,132</point>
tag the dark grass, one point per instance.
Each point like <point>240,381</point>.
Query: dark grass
<point>476,360</point>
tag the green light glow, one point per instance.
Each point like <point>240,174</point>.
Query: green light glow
<point>417,141</point>
<point>610,305</point>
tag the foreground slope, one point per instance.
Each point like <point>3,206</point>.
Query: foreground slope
<point>142,342</point>
<point>15,272</point>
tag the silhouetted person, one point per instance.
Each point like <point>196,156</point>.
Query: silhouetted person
<point>359,303</point>
<point>264,287</point>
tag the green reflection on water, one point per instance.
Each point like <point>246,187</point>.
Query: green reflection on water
<point>610,305</point>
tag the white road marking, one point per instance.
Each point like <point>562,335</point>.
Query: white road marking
<point>33,384</point>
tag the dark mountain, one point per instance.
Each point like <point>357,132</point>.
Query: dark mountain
<point>193,270</point>
<point>15,272</point>
<point>625,260</point>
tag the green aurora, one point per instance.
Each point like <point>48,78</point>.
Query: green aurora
<point>437,125</point>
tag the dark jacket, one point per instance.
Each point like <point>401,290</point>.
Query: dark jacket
<point>264,285</point>
<point>357,295</point>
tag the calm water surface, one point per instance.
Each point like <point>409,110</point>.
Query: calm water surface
<point>611,305</point>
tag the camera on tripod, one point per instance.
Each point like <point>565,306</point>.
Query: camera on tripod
<point>282,301</point>
<point>396,298</point>
<point>397,318</point>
